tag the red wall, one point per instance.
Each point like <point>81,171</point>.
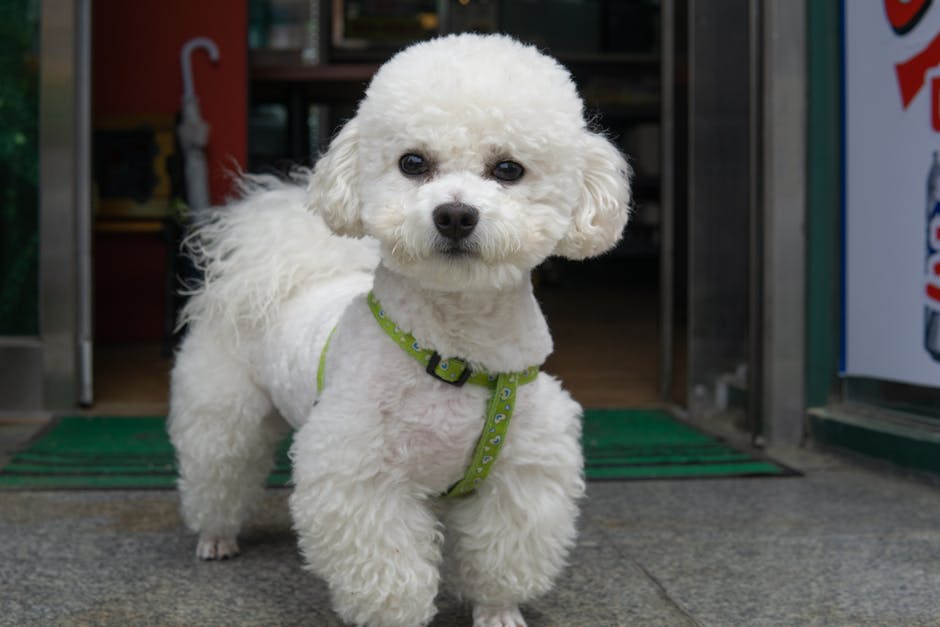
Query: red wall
<point>136,69</point>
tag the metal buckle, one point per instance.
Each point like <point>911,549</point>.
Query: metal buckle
<point>435,360</point>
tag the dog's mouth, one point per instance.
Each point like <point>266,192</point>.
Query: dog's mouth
<point>457,250</point>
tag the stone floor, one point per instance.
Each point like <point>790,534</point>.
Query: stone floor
<point>845,544</point>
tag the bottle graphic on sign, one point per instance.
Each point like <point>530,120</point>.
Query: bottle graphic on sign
<point>932,263</point>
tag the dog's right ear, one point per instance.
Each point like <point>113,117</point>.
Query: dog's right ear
<point>334,187</point>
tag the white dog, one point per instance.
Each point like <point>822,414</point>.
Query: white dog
<point>467,164</point>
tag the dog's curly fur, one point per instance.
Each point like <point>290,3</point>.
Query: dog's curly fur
<point>285,265</point>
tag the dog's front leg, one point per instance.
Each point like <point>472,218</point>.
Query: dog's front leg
<point>363,527</point>
<point>511,539</point>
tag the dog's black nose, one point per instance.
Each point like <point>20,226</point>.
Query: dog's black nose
<point>455,220</point>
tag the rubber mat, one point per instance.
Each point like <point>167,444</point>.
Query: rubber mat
<point>651,444</point>
<point>89,452</point>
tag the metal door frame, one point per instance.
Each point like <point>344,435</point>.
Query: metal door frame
<point>763,140</point>
<point>65,212</point>
<point>52,371</point>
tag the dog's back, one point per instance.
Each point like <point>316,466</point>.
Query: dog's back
<point>258,252</point>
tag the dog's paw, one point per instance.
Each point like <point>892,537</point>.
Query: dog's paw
<point>214,548</point>
<point>484,616</point>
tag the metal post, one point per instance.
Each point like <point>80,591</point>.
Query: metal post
<point>784,235</point>
<point>756,223</point>
<point>666,197</point>
<point>82,187</point>
<point>58,298</point>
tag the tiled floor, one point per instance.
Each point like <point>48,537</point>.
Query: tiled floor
<point>843,545</point>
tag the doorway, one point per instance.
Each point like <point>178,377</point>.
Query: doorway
<point>606,314</point>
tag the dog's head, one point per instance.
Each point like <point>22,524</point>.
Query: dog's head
<point>470,161</point>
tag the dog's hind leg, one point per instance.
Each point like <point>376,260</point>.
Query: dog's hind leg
<point>224,430</point>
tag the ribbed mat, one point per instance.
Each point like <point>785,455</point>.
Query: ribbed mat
<point>92,452</point>
<point>651,444</point>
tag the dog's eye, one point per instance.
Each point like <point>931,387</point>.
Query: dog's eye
<point>507,171</point>
<point>413,165</point>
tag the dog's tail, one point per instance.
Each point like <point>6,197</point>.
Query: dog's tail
<point>256,252</point>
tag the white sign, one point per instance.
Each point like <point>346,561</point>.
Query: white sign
<point>892,190</point>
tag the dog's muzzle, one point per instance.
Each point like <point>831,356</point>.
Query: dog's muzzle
<point>455,220</point>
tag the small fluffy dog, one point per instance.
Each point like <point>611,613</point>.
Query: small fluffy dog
<point>418,406</point>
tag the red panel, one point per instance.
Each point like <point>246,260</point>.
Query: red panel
<point>130,292</point>
<point>136,65</point>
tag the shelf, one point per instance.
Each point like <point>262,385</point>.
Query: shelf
<point>128,226</point>
<point>638,111</point>
<point>641,59</point>
<point>327,73</point>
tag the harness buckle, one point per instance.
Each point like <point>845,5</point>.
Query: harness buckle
<point>433,363</point>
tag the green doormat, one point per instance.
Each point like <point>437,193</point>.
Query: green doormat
<point>651,444</point>
<point>116,452</point>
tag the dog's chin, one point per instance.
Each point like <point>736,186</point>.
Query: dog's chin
<point>457,268</point>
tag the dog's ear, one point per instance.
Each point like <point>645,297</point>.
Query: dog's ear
<point>334,187</point>
<point>604,206</point>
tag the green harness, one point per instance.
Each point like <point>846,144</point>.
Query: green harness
<point>457,372</point>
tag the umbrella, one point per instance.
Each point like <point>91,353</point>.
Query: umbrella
<point>193,131</point>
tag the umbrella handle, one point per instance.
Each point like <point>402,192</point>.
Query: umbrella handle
<point>186,53</point>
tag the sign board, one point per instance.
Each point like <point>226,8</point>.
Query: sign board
<point>891,326</point>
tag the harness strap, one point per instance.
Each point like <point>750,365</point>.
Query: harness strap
<point>457,372</point>
<point>496,424</point>
<point>321,368</point>
<point>454,371</point>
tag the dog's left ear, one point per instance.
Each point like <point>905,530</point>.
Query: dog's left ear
<point>604,206</point>
<point>333,191</point>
